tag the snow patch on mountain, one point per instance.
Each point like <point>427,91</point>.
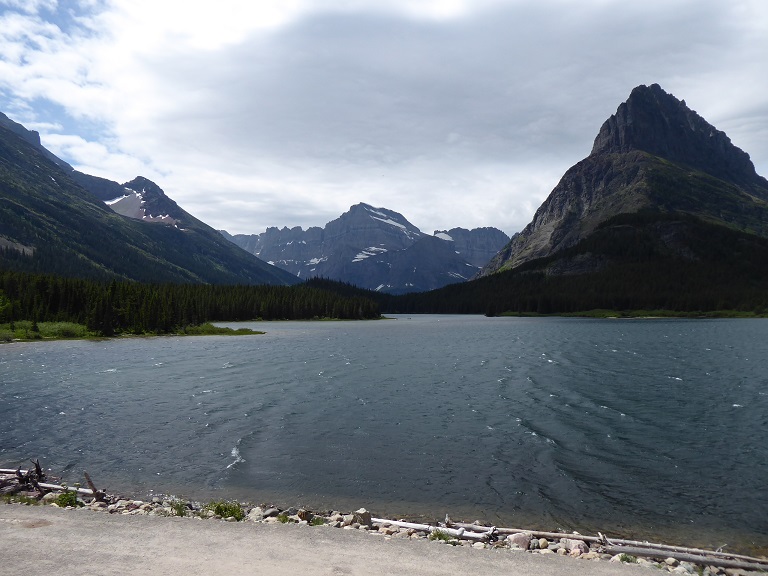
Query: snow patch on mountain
<point>444,236</point>
<point>368,252</point>
<point>131,205</point>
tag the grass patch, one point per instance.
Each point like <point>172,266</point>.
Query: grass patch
<point>317,521</point>
<point>628,558</point>
<point>226,509</point>
<point>29,330</point>
<point>283,518</point>
<point>440,535</point>
<point>209,329</point>
<point>20,499</point>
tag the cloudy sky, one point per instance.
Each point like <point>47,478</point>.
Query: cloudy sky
<point>256,113</point>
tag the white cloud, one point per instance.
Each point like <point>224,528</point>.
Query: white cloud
<point>454,113</point>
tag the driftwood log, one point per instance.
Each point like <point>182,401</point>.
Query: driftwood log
<point>31,478</point>
<point>459,533</point>
<point>706,560</point>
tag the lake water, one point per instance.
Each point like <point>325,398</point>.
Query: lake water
<point>642,428</point>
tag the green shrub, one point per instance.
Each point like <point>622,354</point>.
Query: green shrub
<point>317,521</point>
<point>67,499</point>
<point>226,509</point>
<point>179,507</point>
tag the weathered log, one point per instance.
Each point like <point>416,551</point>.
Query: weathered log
<point>38,470</point>
<point>660,548</point>
<point>685,557</point>
<point>460,533</point>
<point>671,548</point>
<point>537,533</point>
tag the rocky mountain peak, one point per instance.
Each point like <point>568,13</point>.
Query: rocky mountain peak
<point>653,154</point>
<point>654,121</point>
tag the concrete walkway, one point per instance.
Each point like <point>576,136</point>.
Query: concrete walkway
<point>47,540</point>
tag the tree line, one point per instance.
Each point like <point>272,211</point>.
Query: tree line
<point>115,307</point>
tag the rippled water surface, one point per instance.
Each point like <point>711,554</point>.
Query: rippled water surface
<point>631,426</point>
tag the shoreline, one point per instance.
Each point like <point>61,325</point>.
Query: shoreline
<point>29,489</point>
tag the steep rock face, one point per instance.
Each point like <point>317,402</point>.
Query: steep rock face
<point>653,154</point>
<point>378,249</point>
<point>656,122</point>
<point>476,246</point>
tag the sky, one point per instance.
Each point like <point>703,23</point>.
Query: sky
<point>455,113</point>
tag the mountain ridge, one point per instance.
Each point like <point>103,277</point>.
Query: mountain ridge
<point>50,223</point>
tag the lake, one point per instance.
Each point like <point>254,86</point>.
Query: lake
<point>651,428</point>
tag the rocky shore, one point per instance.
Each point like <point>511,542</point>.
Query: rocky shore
<point>676,560</point>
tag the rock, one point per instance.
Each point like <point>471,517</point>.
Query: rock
<point>572,546</point>
<point>590,556</point>
<point>304,515</point>
<point>520,540</point>
<point>545,551</point>
<point>534,545</point>
<point>348,519</point>
<point>562,551</point>
<point>336,517</point>
<point>671,562</point>
<point>230,519</point>
<point>478,545</point>
<point>362,516</point>
<point>543,543</point>
<point>291,511</point>
<point>270,512</point>
<point>256,514</point>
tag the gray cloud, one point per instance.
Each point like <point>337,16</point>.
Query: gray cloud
<point>464,121</point>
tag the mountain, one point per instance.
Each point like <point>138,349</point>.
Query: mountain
<point>378,249</point>
<point>50,222</point>
<point>655,155</point>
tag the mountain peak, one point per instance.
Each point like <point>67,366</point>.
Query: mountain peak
<point>654,121</point>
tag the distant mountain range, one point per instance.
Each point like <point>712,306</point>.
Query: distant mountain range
<point>665,213</point>
<point>54,219</point>
<point>377,249</point>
